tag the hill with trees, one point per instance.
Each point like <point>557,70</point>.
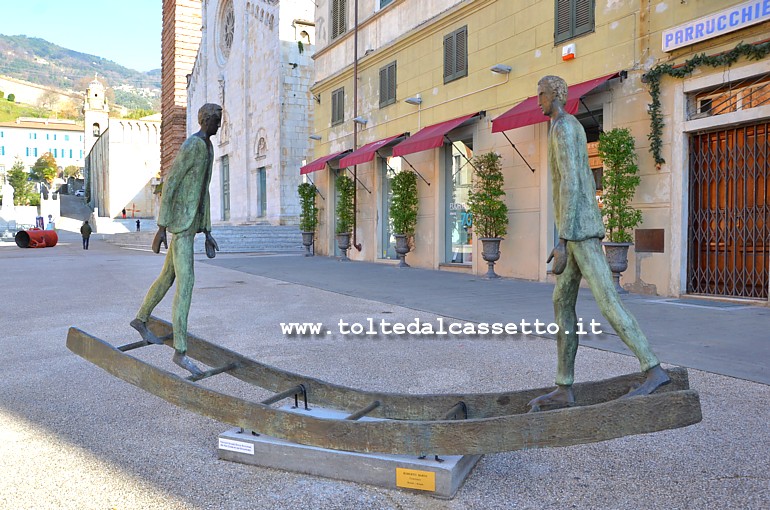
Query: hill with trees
<point>38,61</point>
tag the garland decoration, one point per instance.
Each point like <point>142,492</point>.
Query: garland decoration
<point>654,75</point>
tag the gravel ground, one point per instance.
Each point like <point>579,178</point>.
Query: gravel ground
<point>74,437</point>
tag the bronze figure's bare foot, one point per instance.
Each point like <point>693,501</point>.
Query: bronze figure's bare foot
<point>183,361</point>
<point>147,335</point>
<point>562,396</point>
<point>656,377</point>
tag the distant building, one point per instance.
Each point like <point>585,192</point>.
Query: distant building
<point>27,139</point>
<point>122,167</point>
<point>256,60</point>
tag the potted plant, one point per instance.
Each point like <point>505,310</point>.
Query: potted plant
<point>488,210</point>
<point>403,212</point>
<point>345,213</point>
<point>620,180</point>
<point>308,217</point>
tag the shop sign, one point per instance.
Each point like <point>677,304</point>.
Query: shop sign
<point>723,22</point>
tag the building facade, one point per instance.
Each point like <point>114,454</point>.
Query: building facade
<point>255,59</point>
<point>122,168</point>
<point>27,139</point>
<point>459,77</point>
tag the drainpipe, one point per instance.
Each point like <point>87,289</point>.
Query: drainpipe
<point>356,244</point>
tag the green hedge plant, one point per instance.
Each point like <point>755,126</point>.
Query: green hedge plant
<point>404,203</point>
<point>308,217</point>
<point>620,180</point>
<point>485,200</point>
<point>345,209</point>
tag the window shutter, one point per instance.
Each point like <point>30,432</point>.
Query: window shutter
<point>584,17</point>
<point>343,17</point>
<point>383,86</point>
<point>563,24</point>
<point>449,57</point>
<point>338,106</point>
<point>338,25</point>
<point>388,84</point>
<point>461,52</point>
<point>341,105</point>
<point>333,19</point>
<point>392,82</point>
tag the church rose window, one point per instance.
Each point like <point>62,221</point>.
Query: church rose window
<point>227,29</point>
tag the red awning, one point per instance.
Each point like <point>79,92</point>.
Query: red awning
<point>528,112</point>
<point>366,153</point>
<point>429,137</point>
<point>320,163</point>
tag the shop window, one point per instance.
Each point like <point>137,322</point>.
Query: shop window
<point>573,18</point>
<point>456,55</point>
<point>388,84</point>
<point>338,106</point>
<point>458,175</point>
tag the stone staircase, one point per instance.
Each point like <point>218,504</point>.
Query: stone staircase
<point>231,239</point>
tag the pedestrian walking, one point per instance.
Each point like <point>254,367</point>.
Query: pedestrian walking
<point>138,225</point>
<point>124,213</point>
<point>85,231</point>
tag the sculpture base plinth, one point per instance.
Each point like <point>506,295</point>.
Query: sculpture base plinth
<point>426,476</point>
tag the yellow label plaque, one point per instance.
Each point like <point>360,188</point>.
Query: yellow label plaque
<point>416,479</point>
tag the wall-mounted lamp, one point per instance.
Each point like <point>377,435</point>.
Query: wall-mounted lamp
<point>500,69</point>
<point>416,100</point>
<point>360,120</point>
<point>315,137</point>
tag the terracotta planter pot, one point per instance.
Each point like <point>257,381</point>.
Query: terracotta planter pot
<point>490,252</point>
<point>617,258</point>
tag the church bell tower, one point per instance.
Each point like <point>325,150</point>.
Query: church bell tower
<point>96,112</point>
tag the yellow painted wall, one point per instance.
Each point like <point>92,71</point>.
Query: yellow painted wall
<point>520,34</point>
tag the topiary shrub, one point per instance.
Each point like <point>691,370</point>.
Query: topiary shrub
<point>308,218</point>
<point>490,214</point>
<point>620,180</point>
<point>345,209</point>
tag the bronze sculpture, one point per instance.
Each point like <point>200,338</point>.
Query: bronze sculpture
<point>184,212</point>
<point>578,253</point>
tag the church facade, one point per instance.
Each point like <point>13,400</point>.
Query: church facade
<point>122,166</point>
<point>255,59</point>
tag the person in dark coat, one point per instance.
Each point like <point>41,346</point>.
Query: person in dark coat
<point>85,231</point>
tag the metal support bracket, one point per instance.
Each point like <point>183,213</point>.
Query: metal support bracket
<point>316,189</point>
<point>415,170</point>
<point>461,152</point>
<point>519,153</point>
<point>359,181</point>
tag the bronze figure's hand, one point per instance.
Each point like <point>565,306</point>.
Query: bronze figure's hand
<point>160,238</point>
<point>211,246</point>
<point>559,257</point>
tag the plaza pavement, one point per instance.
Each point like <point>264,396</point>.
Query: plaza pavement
<point>74,437</point>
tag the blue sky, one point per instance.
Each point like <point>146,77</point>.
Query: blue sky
<point>127,33</point>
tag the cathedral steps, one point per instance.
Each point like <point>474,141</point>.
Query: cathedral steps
<point>231,239</point>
